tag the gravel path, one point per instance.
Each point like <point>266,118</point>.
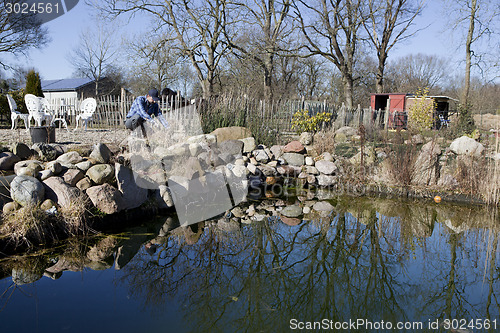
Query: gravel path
<point>113,137</point>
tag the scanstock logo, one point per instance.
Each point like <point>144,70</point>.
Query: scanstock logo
<point>39,11</point>
<point>189,167</point>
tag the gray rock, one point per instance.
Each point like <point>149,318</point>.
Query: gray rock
<point>292,211</point>
<point>84,184</point>
<point>55,167</point>
<point>277,151</point>
<point>23,275</point>
<point>10,207</point>
<point>252,168</point>
<point>324,180</point>
<point>44,174</point>
<point>261,156</point>
<point>232,147</point>
<point>101,153</point>
<point>288,170</point>
<point>323,206</point>
<point>27,191</point>
<point>106,198</point>
<point>7,160</point>
<point>466,146</point>
<point>71,157</point>
<point>84,166</point>
<point>60,192</point>
<point>101,173</point>
<point>204,139</point>
<point>28,168</point>
<point>347,131</point>
<point>268,171</point>
<point>309,161</point>
<point>248,144</point>
<point>311,170</point>
<point>326,167</point>
<point>231,133</point>
<point>327,157</point>
<point>133,195</point>
<point>166,196</point>
<point>195,149</point>
<point>22,150</point>
<point>294,159</point>
<point>45,151</point>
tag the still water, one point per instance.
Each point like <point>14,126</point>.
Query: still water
<point>363,266</point>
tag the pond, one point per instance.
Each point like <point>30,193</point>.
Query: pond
<point>367,265</point>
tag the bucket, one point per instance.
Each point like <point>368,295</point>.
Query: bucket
<point>43,134</point>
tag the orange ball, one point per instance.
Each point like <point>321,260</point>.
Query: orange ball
<point>437,199</point>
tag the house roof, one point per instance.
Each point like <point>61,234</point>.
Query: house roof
<point>65,84</point>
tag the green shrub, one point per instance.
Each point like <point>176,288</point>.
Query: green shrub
<point>303,122</point>
<point>420,113</point>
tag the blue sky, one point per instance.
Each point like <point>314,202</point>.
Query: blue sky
<point>52,61</point>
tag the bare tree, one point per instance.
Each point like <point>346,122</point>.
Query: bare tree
<point>479,20</point>
<point>387,22</point>
<point>268,24</point>
<point>19,32</point>
<point>331,28</point>
<point>411,72</point>
<point>197,28</point>
<point>95,53</point>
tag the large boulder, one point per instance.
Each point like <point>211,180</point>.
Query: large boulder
<point>72,176</point>
<point>466,146</point>
<point>101,153</point>
<point>132,194</point>
<point>59,191</point>
<point>231,133</point>
<point>291,211</point>
<point>27,191</point>
<point>101,173</point>
<point>7,160</point>
<point>248,144</point>
<point>106,198</point>
<point>28,168</point>
<point>232,147</point>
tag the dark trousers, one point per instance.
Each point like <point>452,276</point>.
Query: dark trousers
<point>133,122</point>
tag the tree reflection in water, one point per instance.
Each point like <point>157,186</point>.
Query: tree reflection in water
<point>376,261</point>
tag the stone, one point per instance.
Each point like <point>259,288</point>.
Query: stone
<point>28,168</point>
<point>45,151</point>
<point>238,212</point>
<point>267,170</point>
<point>166,196</point>
<point>202,139</point>
<point>417,139</point>
<point>44,174</point>
<point>248,144</point>
<point>323,206</point>
<point>7,160</point>
<point>324,180</point>
<point>369,157</point>
<point>311,179</point>
<point>101,173</point>
<point>291,221</point>
<point>71,157</point>
<point>252,168</point>
<point>11,207</point>
<point>60,192</point>
<point>347,131</point>
<point>195,149</point>
<point>106,198</point>
<point>427,163</point>
<point>288,170</point>
<point>84,166</point>
<point>47,204</point>
<point>277,151</point>
<point>240,171</point>
<point>291,211</point>
<point>231,133</point>
<point>447,181</point>
<point>193,168</point>
<point>294,159</point>
<point>84,184</point>
<point>21,150</point>
<point>294,147</point>
<point>309,161</point>
<point>133,195</point>
<point>466,146</point>
<point>72,176</point>
<point>24,275</point>
<point>261,156</point>
<point>306,138</point>
<point>233,147</point>
<point>55,167</point>
<point>101,153</point>
<point>326,167</point>
<point>27,191</point>
<point>311,170</point>
<point>179,185</point>
<point>327,157</point>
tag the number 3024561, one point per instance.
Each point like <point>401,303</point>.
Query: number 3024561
<point>34,8</point>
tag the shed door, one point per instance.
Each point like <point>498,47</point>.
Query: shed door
<point>397,118</point>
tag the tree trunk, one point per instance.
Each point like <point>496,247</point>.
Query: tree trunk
<point>379,81</point>
<point>348,83</point>
<point>468,52</point>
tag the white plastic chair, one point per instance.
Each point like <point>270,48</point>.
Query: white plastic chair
<point>37,109</point>
<point>87,109</point>
<point>16,115</point>
<point>444,122</point>
<point>46,107</point>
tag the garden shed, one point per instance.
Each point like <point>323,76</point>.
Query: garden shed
<point>398,104</point>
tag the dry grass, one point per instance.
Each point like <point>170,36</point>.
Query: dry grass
<point>324,141</point>
<point>402,162</point>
